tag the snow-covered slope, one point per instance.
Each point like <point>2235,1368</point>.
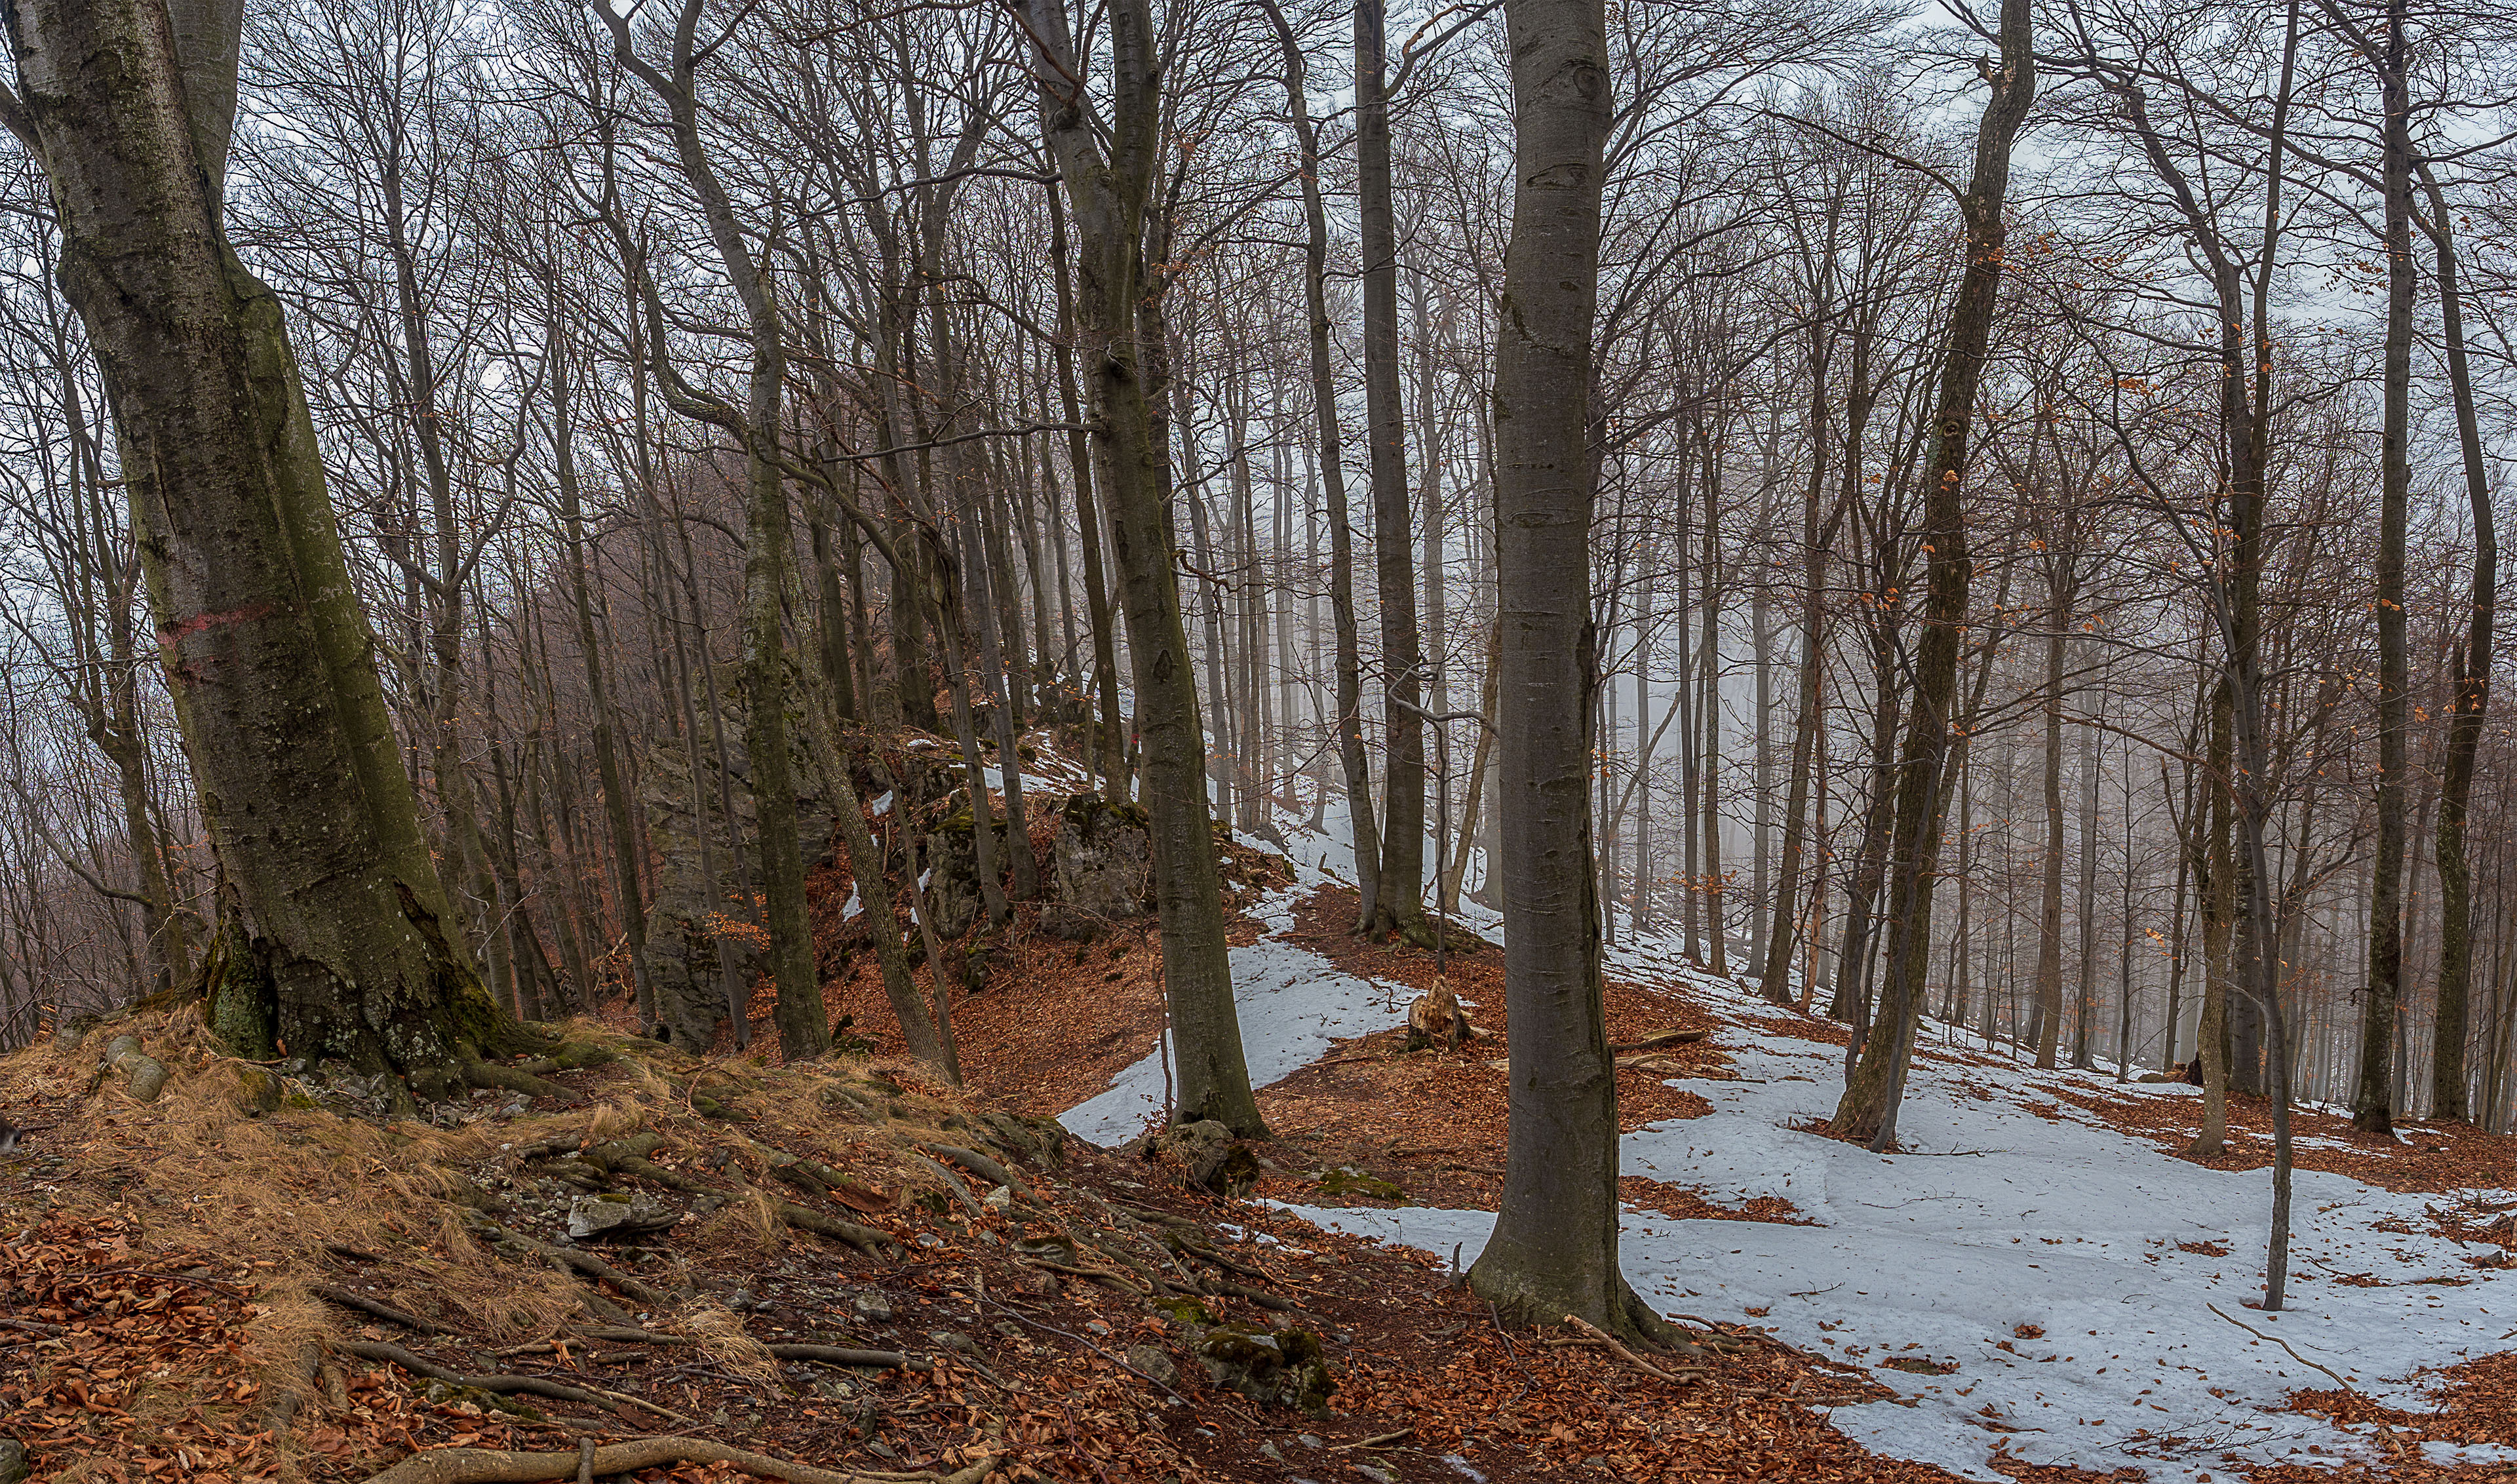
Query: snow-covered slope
<point>2037,1253</point>
<point>2086,1291</point>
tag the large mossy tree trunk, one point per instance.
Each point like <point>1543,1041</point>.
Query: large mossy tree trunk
<point>334,940</point>
<point>1108,195</point>
<point>1554,1252</point>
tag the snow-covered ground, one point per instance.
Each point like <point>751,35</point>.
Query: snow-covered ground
<point>2000,1220</point>
<point>1293,1003</point>
<point>2035,1251</point>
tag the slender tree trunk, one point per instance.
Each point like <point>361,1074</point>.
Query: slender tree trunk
<point>768,560</point>
<point>1869,1110</point>
<point>1332,472</point>
<point>1109,196</point>
<point>2448,1097</point>
<point>2049,930</point>
<point>628,847</point>
<point>1777,984</point>
<point>2372,1104</point>
<point>1397,903</point>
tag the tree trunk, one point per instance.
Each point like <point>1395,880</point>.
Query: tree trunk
<point>1554,1252</point>
<point>1869,1110</point>
<point>1108,197</point>
<point>2448,1097</point>
<point>1397,903</point>
<point>1352,761</point>
<point>332,943</point>
<point>628,847</point>
<point>768,559</point>
<point>2372,1105</point>
<point>2049,921</point>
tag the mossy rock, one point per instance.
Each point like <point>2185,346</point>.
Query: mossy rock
<point>1284,1368</point>
<point>1187,1313</point>
<point>1089,812</point>
<point>1346,1180</point>
<point>259,1091</point>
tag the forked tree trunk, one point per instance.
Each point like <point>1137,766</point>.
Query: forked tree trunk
<point>333,942</point>
<point>1108,197</point>
<point>1554,1252</point>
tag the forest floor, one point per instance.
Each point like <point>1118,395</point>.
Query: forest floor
<point>2020,1203</point>
<point>846,1267</point>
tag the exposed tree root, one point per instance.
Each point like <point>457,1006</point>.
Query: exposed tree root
<point>503,1386</point>
<point>981,1165</point>
<point>628,1157</point>
<point>582,1262</point>
<point>486,1465</point>
<point>344,1299</point>
<point>506,1079</point>
<point>1618,1350</point>
<point>840,1355</point>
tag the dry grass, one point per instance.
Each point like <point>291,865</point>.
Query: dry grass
<point>318,1194</point>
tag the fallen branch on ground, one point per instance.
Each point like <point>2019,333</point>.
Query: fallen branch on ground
<point>486,1466</point>
<point>2285,1344</point>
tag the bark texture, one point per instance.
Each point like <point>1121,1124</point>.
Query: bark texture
<point>333,942</point>
<point>1554,1252</point>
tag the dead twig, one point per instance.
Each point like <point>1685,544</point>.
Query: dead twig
<point>1372,1442</point>
<point>2285,1344</point>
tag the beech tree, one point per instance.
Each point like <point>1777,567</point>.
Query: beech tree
<point>334,940</point>
<point>1554,1250</point>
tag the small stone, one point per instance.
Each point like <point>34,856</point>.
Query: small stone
<point>614,1218</point>
<point>883,1450</point>
<point>1308,1441</point>
<point>951,1339</point>
<point>14,1466</point>
<point>1097,1327</point>
<point>1154,1362</point>
<point>742,1299</point>
<point>1008,1329</point>
<point>872,1308</point>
